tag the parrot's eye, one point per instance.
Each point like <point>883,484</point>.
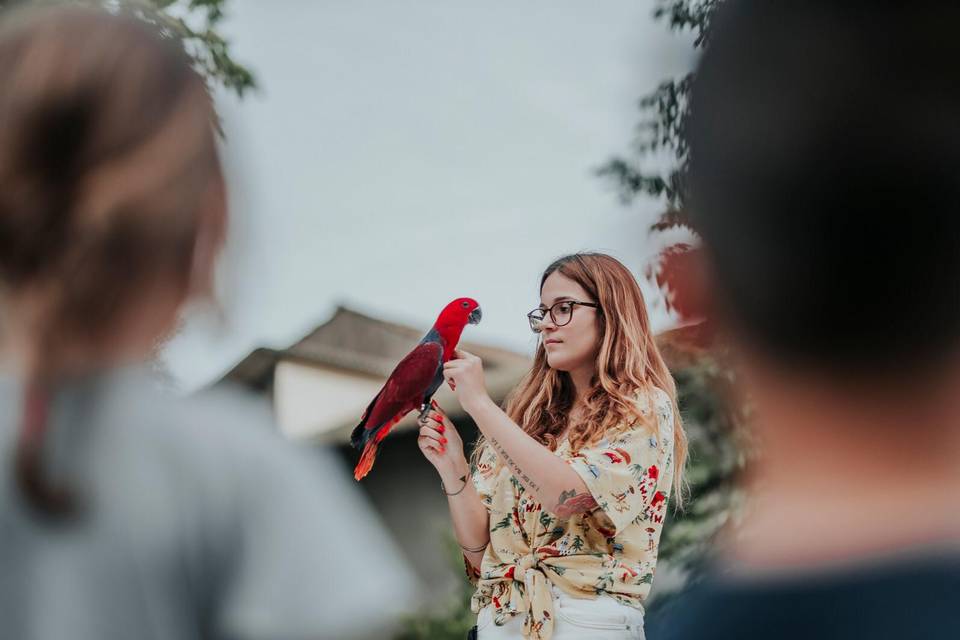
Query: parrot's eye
<point>465,305</point>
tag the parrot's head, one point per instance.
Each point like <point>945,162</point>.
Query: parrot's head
<point>460,313</point>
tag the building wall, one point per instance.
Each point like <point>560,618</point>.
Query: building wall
<point>309,399</point>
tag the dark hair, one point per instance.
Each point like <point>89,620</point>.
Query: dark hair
<point>108,167</point>
<point>825,150</point>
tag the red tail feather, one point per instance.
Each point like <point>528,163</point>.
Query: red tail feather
<point>366,460</point>
<point>370,449</point>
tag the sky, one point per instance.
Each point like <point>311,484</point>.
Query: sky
<point>399,155</point>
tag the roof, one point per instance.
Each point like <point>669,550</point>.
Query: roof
<point>361,344</point>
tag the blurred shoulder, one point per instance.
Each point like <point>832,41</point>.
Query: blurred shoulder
<point>216,426</point>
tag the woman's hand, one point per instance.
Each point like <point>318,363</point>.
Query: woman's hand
<point>464,374</point>
<point>442,446</point>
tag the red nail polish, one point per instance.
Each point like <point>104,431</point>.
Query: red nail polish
<point>443,441</point>
<point>440,428</point>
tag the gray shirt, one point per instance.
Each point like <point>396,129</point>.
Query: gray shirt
<point>198,521</point>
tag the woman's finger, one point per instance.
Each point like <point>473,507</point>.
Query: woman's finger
<point>432,433</point>
<point>427,442</point>
<point>444,423</point>
<point>437,421</point>
<point>460,354</point>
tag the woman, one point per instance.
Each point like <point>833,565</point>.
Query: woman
<point>124,513</point>
<point>560,524</point>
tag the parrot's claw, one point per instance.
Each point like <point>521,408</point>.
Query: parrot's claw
<point>424,411</point>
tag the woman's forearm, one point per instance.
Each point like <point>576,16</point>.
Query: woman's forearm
<point>471,521</point>
<point>556,486</point>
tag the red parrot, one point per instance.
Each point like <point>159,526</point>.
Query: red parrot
<point>413,382</point>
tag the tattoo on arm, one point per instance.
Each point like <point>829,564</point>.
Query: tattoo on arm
<point>514,467</point>
<point>571,503</point>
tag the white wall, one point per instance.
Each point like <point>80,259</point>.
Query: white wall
<point>310,401</point>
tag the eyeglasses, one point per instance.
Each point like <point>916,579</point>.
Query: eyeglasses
<point>561,313</point>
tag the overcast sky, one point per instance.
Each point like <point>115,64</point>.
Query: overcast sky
<point>402,154</point>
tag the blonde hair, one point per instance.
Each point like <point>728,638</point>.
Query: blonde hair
<point>628,364</point>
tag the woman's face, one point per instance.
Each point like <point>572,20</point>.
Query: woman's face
<point>576,344</point>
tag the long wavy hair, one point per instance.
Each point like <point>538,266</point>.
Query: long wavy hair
<point>628,365</point>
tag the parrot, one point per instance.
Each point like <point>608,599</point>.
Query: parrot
<point>413,381</point>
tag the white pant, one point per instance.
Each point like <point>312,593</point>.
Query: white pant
<point>602,618</point>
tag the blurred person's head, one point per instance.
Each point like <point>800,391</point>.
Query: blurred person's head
<point>112,200</point>
<point>824,151</point>
<point>111,196</point>
<point>825,146</point>
<point>609,345</point>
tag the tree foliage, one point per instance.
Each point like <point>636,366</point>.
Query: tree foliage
<point>719,449</point>
<point>661,130</point>
<point>194,23</point>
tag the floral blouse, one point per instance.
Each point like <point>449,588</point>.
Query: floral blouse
<point>610,550</point>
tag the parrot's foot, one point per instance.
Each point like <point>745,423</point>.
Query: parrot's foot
<point>424,410</point>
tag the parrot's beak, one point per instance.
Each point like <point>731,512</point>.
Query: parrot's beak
<point>475,316</point>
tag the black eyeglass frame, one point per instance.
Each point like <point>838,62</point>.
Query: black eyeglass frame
<point>543,313</point>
